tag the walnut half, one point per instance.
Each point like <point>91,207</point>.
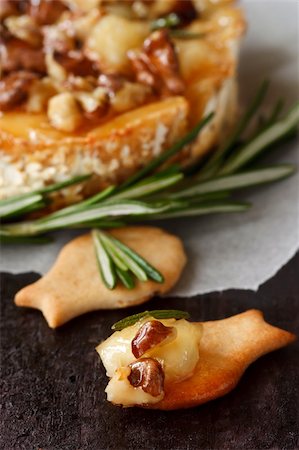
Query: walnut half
<point>151,333</point>
<point>148,374</point>
<point>14,89</point>
<point>157,64</point>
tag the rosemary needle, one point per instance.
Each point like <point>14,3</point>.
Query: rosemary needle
<point>104,261</point>
<point>156,314</point>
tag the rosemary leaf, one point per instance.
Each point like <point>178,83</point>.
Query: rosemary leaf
<point>63,184</point>
<point>170,21</point>
<point>214,162</point>
<point>25,203</point>
<point>91,213</point>
<point>262,141</point>
<point>238,181</point>
<point>112,251</point>
<point>134,267</point>
<point>278,107</point>
<point>104,262</point>
<point>149,186</point>
<point>104,224</point>
<point>152,273</point>
<point>156,314</point>
<point>83,204</point>
<point>125,278</point>
<point>9,207</point>
<point>204,209</point>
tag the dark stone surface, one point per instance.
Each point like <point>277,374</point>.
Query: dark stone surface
<point>53,382</point>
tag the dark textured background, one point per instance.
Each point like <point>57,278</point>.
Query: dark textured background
<point>53,382</point>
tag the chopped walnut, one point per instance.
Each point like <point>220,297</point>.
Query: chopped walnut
<point>75,83</point>
<point>157,64</point>
<point>112,82</point>
<point>64,112</point>
<point>77,63</point>
<point>148,374</point>
<point>130,96</point>
<point>95,104</point>
<point>40,93</point>
<point>151,334</point>
<point>54,69</point>
<point>16,54</point>
<point>24,28</point>
<point>82,24</point>
<point>144,72</point>
<point>14,89</point>
<point>58,39</point>
<point>45,12</point>
<point>11,8</point>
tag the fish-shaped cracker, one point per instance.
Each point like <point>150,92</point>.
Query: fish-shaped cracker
<point>196,363</point>
<point>73,285</point>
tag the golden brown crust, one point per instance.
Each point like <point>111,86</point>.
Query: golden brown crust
<point>227,348</point>
<point>73,286</point>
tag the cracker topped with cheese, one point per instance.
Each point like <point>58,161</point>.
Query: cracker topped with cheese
<point>104,86</point>
<point>160,363</point>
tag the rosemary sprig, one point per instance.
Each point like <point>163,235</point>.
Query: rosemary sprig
<point>236,181</point>
<point>167,194</point>
<point>269,136</point>
<point>119,263</point>
<point>90,213</point>
<point>156,314</point>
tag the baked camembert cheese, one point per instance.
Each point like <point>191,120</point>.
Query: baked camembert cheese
<point>140,358</point>
<point>104,86</point>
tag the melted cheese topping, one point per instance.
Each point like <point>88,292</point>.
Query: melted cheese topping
<point>178,358</point>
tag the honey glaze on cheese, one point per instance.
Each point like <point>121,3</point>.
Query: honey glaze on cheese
<point>178,357</point>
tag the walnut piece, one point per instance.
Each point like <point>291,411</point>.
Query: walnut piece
<point>157,64</point>
<point>14,89</point>
<point>24,28</point>
<point>58,38</point>
<point>77,63</point>
<point>94,104</point>
<point>45,12</point>
<point>113,82</point>
<point>11,8</point>
<point>64,112</point>
<point>16,54</point>
<point>148,374</point>
<point>129,96</point>
<point>40,93</point>
<point>149,335</point>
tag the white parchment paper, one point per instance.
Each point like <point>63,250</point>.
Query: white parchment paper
<point>238,250</point>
